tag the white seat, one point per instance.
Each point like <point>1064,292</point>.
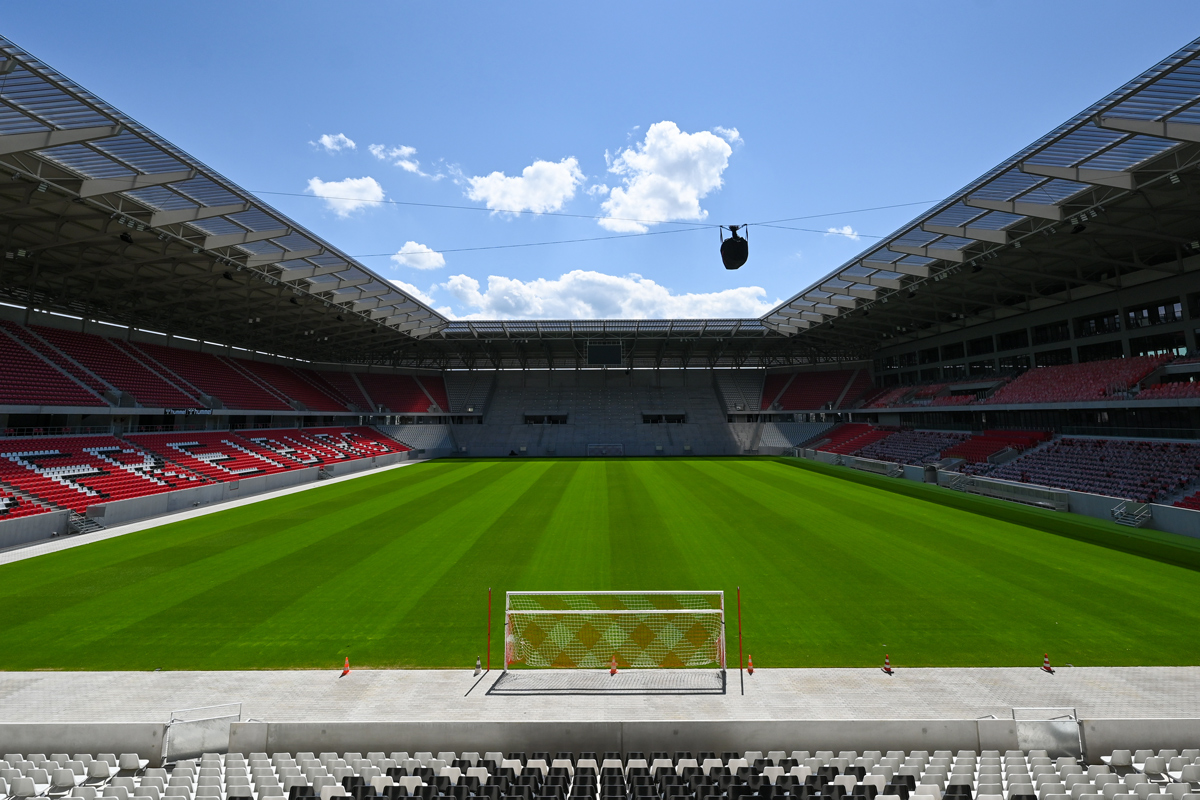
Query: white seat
<point>380,782</point>
<point>410,782</point>
<point>333,791</point>
<point>131,761</point>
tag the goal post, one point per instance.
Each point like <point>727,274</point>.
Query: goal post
<point>587,630</point>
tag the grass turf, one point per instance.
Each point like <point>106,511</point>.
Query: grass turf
<point>392,569</point>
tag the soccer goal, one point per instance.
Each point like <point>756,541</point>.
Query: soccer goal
<point>640,630</point>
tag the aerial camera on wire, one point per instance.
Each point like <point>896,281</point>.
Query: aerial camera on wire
<point>734,250</point>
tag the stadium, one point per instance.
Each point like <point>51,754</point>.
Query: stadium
<point>272,526</point>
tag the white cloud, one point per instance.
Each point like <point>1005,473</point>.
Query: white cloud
<point>347,196</point>
<point>335,142</point>
<point>402,155</point>
<point>845,230</point>
<point>581,294</point>
<point>418,256</point>
<point>665,176</point>
<point>597,188</point>
<point>542,186</point>
<point>730,135</point>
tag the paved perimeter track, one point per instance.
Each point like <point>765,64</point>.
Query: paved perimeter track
<point>440,695</point>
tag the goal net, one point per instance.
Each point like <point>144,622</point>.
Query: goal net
<point>586,630</point>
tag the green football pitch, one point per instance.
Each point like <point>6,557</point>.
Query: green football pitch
<point>393,569</point>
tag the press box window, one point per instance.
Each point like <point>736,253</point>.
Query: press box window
<point>1052,332</point>
<point>1098,324</point>
<point>1160,313</point>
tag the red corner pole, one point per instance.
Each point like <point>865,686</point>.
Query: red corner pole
<point>741,677</point>
<point>489,638</point>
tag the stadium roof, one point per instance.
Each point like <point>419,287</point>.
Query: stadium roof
<point>1108,193</point>
<point>106,219</point>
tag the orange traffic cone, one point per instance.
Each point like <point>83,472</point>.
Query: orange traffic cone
<point>612,668</point>
<point>887,665</point>
<point>346,669</point>
<point>750,663</point>
<point>1046,664</point>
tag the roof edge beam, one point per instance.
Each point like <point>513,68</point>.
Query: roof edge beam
<point>1036,210</point>
<point>943,253</point>
<point>160,218</point>
<point>1176,131</point>
<point>101,186</point>
<point>233,239</point>
<point>259,259</point>
<point>978,234</point>
<point>42,140</point>
<point>1095,177</point>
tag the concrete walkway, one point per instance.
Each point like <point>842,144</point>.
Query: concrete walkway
<point>44,546</point>
<point>445,695</point>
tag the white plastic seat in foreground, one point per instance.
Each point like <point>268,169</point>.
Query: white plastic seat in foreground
<point>62,779</point>
<point>22,787</point>
<point>410,782</point>
<point>333,791</point>
<point>380,783</point>
<point>98,771</point>
<point>85,792</point>
<point>131,761</point>
<point>931,790</point>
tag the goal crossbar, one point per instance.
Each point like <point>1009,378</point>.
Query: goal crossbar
<point>656,629</point>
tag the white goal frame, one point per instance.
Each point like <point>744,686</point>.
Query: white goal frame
<point>580,606</point>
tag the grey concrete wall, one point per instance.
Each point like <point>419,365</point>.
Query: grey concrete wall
<point>1101,736</point>
<point>136,508</point>
<point>716,735</point>
<point>342,468</point>
<point>32,528</point>
<point>143,738</point>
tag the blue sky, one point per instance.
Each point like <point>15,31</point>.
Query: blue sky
<point>691,113</point>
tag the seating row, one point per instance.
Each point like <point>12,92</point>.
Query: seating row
<point>76,472</point>
<point>51,366</point>
<point>916,775</point>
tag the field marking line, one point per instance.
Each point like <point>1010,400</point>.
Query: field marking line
<point>42,547</point>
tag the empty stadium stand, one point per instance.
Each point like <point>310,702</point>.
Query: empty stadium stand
<point>846,439</point>
<point>435,387</point>
<point>1176,390</point>
<point>212,375</point>
<point>434,438</point>
<point>228,455</point>
<point>741,390</point>
<point>287,384</point>
<point>399,394</point>
<point>28,380</point>
<point>345,387</point>
<point>1093,380</point>
<point>78,471</point>
<point>912,447</point>
<point>1134,470</point>
<point>119,368</point>
<point>791,434</point>
<point>980,448</point>
<point>467,392</point>
<point>1172,774</point>
<point>812,391</point>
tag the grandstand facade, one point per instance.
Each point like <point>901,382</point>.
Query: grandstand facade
<point>163,329</point>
